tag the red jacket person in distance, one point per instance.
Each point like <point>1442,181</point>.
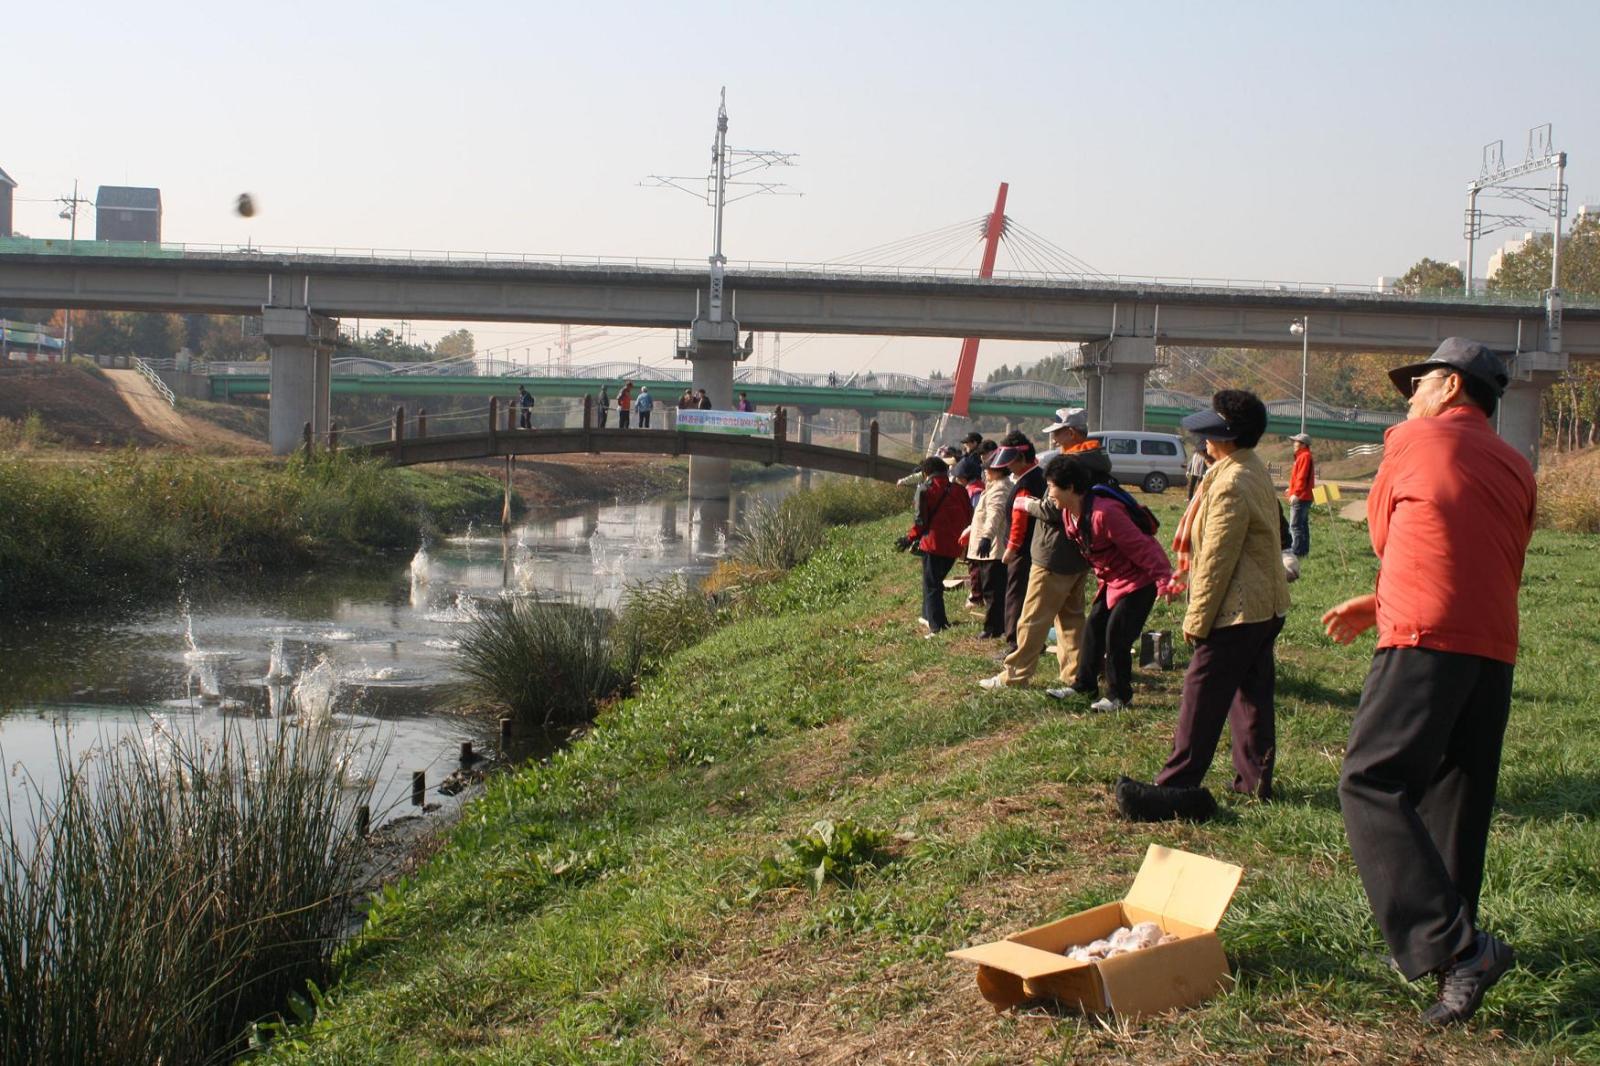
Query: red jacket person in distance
<point>1450,515</point>
<point>944,510</point>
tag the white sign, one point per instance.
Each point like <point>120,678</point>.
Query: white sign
<point>746,423</point>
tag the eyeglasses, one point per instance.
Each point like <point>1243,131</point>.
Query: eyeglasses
<point>1430,376</point>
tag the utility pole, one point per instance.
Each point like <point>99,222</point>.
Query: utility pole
<point>69,210</point>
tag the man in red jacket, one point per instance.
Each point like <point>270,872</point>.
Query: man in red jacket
<point>1450,515</point>
<point>1302,479</point>
<point>944,510</point>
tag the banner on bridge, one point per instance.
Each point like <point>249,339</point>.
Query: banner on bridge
<point>744,423</point>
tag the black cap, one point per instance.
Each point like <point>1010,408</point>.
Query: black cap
<point>1463,356</point>
<point>1208,425</point>
<point>972,438</point>
<point>970,468</point>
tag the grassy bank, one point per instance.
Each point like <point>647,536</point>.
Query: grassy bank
<point>613,905</point>
<point>97,531</point>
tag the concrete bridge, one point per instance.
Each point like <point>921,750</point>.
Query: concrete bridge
<point>1119,322</point>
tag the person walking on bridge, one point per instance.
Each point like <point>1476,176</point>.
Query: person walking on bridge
<point>604,404</point>
<point>624,405</point>
<point>705,400</point>
<point>643,406</point>
<point>1302,479</point>
<point>525,402</point>
<point>1450,515</point>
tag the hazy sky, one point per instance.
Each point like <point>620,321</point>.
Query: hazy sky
<point>1287,141</point>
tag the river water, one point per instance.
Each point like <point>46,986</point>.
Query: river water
<point>369,649</point>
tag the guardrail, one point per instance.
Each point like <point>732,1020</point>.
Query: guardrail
<point>150,375</point>
<point>1363,449</point>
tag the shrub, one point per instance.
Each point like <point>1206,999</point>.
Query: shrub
<point>1569,493</point>
<point>176,892</point>
<point>659,618</point>
<point>551,664</point>
<point>846,501</point>
<point>778,538</point>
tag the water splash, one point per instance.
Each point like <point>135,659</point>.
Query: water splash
<point>315,693</point>
<point>278,671</point>
<point>463,608</point>
<point>421,577</point>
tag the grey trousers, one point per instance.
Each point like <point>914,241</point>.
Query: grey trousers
<point>1417,791</point>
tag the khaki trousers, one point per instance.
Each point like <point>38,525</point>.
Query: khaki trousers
<point>1051,598</point>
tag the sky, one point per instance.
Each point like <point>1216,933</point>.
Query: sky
<point>1277,141</point>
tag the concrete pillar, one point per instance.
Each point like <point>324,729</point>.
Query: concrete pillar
<point>919,430</point>
<point>301,346</point>
<point>1519,417</point>
<point>864,435</point>
<point>1114,374</point>
<point>714,348</point>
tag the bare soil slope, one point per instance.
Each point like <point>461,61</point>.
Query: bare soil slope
<point>158,416</point>
<point>75,405</point>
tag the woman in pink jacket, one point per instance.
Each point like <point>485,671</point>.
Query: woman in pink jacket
<point>1132,570</point>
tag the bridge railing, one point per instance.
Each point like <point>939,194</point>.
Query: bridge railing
<point>149,374</point>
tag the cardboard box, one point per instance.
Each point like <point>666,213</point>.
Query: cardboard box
<point>1185,894</point>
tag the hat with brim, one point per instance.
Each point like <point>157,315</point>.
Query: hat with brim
<point>1461,356</point>
<point>1068,418</point>
<point>1208,425</point>
<point>969,468</point>
<point>1003,456</point>
<point>1302,438</point>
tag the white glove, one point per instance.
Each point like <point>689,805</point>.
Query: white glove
<point>1291,565</point>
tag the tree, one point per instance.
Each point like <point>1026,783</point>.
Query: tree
<point>1053,369</point>
<point>1526,272</point>
<point>155,336</point>
<point>457,344</point>
<point>1431,276</point>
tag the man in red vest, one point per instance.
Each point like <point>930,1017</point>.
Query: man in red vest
<point>1302,479</point>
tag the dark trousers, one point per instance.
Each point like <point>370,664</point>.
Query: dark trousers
<point>622,417</point>
<point>992,588</point>
<point>604,411</point>
<point>1108,636</point>
<point>1016,591</point>
<point>934,569</point>
<point>1417,793</point>
<point>977,573</point>
<point>1232,679</point>
<point>525,419</point>
<point>1300,527</point>
<point>644,419</point>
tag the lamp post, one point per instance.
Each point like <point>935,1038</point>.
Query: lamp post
<point>1301,327</point>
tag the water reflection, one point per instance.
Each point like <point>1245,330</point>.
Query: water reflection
<point>369,648</point>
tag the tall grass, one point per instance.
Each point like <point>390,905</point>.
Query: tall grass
<point>551,664</point>
<point>659,618</point>
<point>773,539</point>
<point>176,892</point>
<point>1569,492</point>
<point>136,523</point>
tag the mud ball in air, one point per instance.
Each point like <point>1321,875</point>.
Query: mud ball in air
<point>246,205</point>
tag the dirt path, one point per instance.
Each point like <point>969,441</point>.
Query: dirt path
<point>159,417</point>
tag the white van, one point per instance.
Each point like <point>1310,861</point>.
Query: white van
<point>1150,460</point>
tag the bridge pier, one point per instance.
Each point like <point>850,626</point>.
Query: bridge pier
<point>713,349</point>
<point>864,434</point>
<point>301,345</point>
<point>919,432</point>
<point>1114,373</point>
<point>1519,418</point>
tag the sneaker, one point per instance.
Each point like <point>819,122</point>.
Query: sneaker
<point>1462,983</point>
<point>997,681</point>
<point>1108,703</point>
<point>1066,692</point>
<point>923,622</point>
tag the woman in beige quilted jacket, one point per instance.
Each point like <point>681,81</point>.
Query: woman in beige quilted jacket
<point>984,548</point>
<point>1238,597</point>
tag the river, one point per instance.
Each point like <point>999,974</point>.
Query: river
<point>368,648</point>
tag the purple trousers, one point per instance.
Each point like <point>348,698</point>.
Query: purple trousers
<point>1232,679</point>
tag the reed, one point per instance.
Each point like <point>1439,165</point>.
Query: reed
<point>777,539</point>
<point>659,618</point>
<point>176,892</point>
<point>551,664</point>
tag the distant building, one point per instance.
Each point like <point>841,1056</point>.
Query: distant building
<point>124,213</point>
<point>6,185</point>
<point>25,342</point>
<point>1511,247</point>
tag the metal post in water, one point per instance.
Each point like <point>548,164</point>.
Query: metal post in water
<point>419,787</point>
<point>363,820</point>
<point>466,752</point>
<point>505,730</point>
<point>422,422</point>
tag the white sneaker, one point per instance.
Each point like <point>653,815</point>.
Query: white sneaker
<point>923,622</point>
<point>997,681</point>
<point>1108,703</point>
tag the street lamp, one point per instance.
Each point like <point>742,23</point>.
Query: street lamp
<point>1301,327</point>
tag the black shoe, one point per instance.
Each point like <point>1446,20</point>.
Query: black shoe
<point>1463,982</point>
<point>1139,802</point>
